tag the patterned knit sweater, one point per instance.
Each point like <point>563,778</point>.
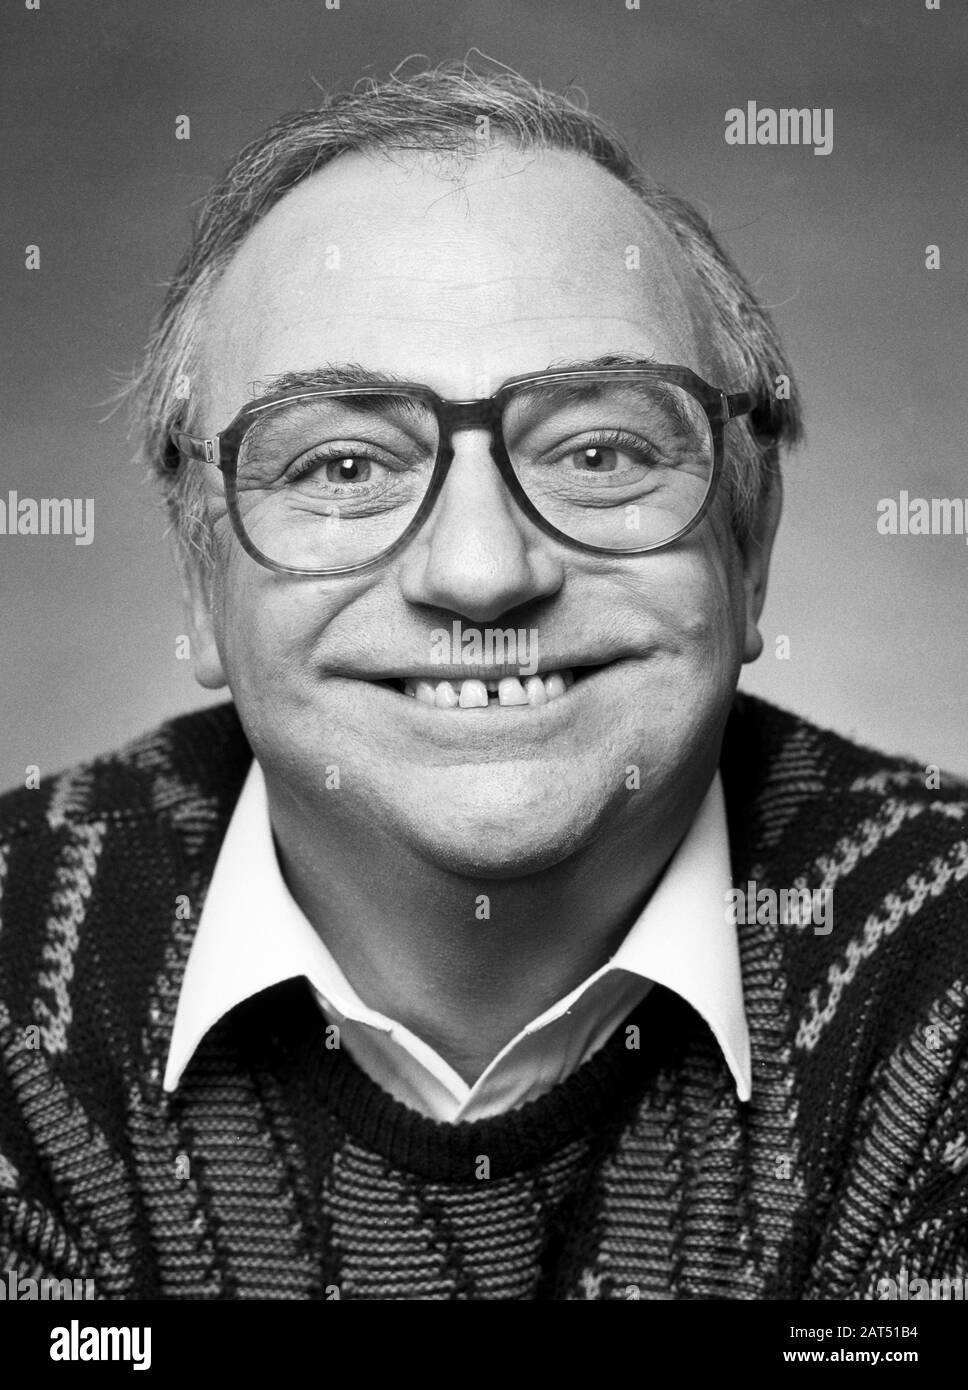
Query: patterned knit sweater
<point>279,1170</point>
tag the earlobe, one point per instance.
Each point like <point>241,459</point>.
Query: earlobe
<point>756,562</point>
<point>208,662</point>
<point>198,597</point>
<point>753,638</point>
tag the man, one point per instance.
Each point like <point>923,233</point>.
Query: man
<point>523,959</point>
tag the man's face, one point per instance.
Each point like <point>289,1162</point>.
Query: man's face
<point>520,265</point>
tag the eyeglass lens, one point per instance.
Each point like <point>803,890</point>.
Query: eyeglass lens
<point>331,481</point>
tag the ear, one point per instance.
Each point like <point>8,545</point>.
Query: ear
<point>756,559</point>
<point>198,588</point>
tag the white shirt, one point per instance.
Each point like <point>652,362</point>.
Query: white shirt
<point>252,935</point>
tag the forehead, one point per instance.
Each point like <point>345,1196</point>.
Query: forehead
<point>455,277</point>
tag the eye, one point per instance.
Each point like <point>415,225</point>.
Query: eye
<point>327,466</point>
<point>598,458</point>
<point>347,470</point>
<point>614,452</point>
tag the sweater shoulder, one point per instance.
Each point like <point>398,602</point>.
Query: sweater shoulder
<point>774,730</point>
<point>784,774</point>
<point>853,868</point>
<point>157,775</point>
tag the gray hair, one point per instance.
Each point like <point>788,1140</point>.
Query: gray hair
<point>440,110</point>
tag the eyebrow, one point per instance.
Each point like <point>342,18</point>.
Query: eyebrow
<point>350,374</point>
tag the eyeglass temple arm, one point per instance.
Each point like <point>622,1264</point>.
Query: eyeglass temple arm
<point>192,447</point>
<point>740,403</point>
<point>763,423</point>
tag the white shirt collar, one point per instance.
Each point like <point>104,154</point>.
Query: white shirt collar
<point>253,935</point>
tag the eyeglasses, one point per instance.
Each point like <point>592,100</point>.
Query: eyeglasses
<point>335,480</point>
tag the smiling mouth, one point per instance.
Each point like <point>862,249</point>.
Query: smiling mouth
<point>505,692</point>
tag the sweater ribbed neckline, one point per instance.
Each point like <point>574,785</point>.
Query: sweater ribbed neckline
<point>327,1086</point>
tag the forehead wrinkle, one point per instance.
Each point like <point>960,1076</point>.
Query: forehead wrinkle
<point>591,267</point>
<point>320,212</point>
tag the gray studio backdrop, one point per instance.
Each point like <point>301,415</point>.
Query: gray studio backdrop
<point>836,244</point>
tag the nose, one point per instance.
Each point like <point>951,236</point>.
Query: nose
<point>477,554</point>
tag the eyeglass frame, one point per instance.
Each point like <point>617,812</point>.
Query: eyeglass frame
<point>486,412</point>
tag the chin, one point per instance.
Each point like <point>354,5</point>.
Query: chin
<point>487,860</point>
<point>483,848</point>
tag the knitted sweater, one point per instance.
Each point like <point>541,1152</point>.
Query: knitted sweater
<point>279,1170</point>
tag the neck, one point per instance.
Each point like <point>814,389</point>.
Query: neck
<point>466,963</point>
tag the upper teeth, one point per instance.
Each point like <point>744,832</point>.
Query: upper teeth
<point>474,694</point>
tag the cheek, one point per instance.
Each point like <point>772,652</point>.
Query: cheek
<point>701,599</point>
<point>277,634</point>
<point>258,630</point>
<point>723,580</point>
